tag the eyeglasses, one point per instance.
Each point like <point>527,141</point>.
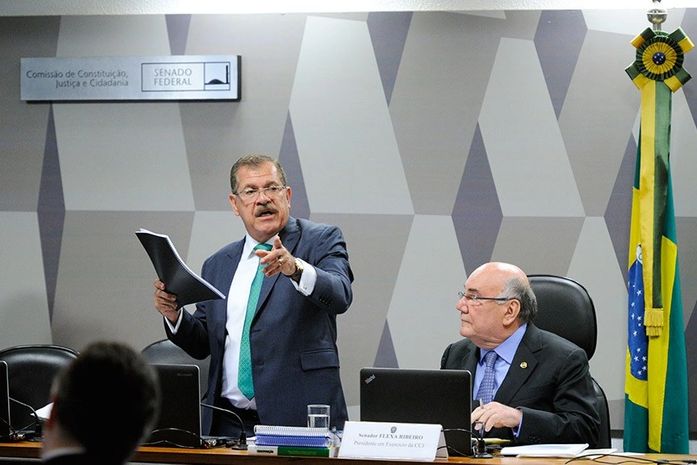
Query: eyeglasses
<point>250,194</point>
<point>477,300</point>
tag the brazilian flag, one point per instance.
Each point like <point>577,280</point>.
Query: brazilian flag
<point>656,407</point>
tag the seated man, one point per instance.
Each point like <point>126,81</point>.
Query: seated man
<point>529,385</point>
<point>104,403</point>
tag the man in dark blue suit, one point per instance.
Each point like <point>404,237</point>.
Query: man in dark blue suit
<point>537,387</point>
<point>292,339</point>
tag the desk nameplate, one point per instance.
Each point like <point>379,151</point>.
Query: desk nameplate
<point>387,440</point>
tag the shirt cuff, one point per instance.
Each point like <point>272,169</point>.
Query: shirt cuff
<point>175,328</point>
<point>516,429</point>
<point>307,279</point>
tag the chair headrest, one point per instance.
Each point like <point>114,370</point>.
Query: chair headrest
<point>32,369</point>
<point>35,355</point>
<point>565,308</point>
<point>165,351</point>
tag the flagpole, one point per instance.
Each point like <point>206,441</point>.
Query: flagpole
<point>656,404</point>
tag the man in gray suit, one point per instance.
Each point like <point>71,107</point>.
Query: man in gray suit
<point>529,385</point>
<point>289,341</point>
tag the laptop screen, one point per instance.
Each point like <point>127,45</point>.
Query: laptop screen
<point>179,423</point>
<point>5,422</point>
<point>421,396</point>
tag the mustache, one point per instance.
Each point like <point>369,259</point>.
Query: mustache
<point>264,209</point>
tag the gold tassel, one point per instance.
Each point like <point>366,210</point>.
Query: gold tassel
<point>653,320</point>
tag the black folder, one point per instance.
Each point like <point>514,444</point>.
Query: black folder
<point>171,269</point>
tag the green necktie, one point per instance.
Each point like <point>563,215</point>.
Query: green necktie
<point>244,376</point>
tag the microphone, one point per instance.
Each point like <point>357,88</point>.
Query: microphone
<point>242,441</point>
<point>37,421</point>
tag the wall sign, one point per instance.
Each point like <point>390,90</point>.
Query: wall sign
<point>184,77</point>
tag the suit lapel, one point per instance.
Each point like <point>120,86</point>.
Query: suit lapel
<point>290,236</point>
<point>232,260</point>
<point>523,365</point>
<point>470,360</point>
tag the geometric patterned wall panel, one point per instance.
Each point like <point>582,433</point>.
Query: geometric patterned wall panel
<point>595,140</point>
<point>437,141</point>
<point>214,132</point>
<point>430,262</point>
<point>23,127</point>
<point>23,305</point>
<point>594,252</point>
<point>337,75</point>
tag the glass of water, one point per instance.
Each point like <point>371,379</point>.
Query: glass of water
<point>318,416</point>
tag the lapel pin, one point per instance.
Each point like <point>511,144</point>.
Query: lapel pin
<point>523,365</point>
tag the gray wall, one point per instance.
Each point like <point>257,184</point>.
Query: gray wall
<point>437,141</point>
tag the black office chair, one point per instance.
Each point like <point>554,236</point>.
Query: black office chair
<point>564,307</point>
<point>31,370</point>
<point>165,351</point>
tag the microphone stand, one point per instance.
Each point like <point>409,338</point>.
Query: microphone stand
<point>37,421</point>
<point>242,441</point>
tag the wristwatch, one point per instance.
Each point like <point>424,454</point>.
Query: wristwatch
<point>298,271</point>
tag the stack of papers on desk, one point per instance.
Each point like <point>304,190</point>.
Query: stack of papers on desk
<point>545,450</point>
<point>292,441</point>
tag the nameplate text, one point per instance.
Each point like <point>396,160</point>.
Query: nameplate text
<point>365,439</point>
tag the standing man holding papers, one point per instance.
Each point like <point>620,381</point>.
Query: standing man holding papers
<point>272,342</point>
<point>534,386</point>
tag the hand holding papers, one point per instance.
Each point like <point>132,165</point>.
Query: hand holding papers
<point>171,269</point>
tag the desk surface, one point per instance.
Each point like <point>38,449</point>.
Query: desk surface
<point>31,450</point>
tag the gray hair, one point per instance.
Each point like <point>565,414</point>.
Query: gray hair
<point>517,288</point>
<point>254,160</point>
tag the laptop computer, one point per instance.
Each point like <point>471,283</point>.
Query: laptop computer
<point>179,422</point>
<point>5,423</point>
<point>421,396</point>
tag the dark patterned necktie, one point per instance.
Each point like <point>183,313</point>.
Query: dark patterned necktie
<point>486,387</point>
